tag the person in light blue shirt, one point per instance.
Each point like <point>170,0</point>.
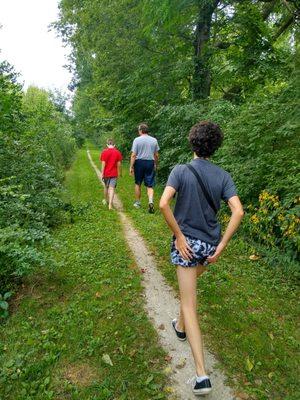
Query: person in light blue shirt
<point>143,164</point>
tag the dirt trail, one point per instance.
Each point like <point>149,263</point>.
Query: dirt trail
<point>162,306</point>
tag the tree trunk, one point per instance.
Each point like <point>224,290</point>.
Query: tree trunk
<point>268,9</point>
<point>202,79</point>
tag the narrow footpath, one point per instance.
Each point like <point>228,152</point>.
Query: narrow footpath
<point>162,305</point>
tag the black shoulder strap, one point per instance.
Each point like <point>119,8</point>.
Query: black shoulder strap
<point>204,190</point>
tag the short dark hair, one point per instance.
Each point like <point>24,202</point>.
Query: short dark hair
<point>110,142</point>
<point>205,138</point>
<point>143,127</point>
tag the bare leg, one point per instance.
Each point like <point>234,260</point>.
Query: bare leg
<point>150,192</point>
<point>105,193</point>
<point>137,190</point>
<point>187,279</point>
<point>180,322</point>
<point>111,193</point>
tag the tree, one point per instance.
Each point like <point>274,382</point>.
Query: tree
<point>131,58</point>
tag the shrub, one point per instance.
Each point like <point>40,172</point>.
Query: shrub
<point>173,123</point>
<point>36,145</point>
<point>274,224</point>
<point>260,151</point>
<point>261,145</point>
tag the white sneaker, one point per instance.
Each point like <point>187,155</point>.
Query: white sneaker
<point>137,204</point>
<point>104,202</point>
<point>200,388</point>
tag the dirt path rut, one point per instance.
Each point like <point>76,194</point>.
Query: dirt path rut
<point>162,305</point>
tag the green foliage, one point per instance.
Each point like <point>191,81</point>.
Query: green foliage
<point>131,58</point>
<point>87,311</point>
<point>4,304</point>
<point>260,150</point>
<point>149,61</point>
<point>10,99</point>
<point>172,125</point>
<point>261,144</point>
<point>272,229</point>
<point>36,146</point>
<point>247,308</point>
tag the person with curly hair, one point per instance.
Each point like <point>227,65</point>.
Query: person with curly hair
<point>197,241</point>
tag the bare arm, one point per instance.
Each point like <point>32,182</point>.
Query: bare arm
<point>237,214</point>
<point>156,158</point>
<point>132,161</point>
<point>180,242</point>
<point>102,168</point>
<point>119,166</point>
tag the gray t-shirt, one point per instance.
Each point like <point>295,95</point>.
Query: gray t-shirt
<point>144,147</point>
<point>192,212</point>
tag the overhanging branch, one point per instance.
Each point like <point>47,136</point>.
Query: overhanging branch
<point>284,27</point>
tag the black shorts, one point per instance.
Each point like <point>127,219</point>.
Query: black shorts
<point>144,172</point>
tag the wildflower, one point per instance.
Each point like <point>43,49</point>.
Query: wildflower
<point>254,219</point>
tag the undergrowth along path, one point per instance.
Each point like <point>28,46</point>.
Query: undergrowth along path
<point>78,330</point>
<point>249,310</point>
<point>162,305</point>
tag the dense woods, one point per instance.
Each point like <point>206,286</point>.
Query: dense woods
<point>173,63</point>
<point>72,308</point>
<point>36,146</point>
<point>170,63</point>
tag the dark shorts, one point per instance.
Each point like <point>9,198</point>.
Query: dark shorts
<point>112,182</point>
<point>200,249</point>
<point>144,172</point>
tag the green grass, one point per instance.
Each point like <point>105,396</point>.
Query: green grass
<point>248,310</point>
<point>90,305</point>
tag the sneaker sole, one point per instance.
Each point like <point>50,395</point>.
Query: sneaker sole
<point>202,392</point>
<point>181,340</point>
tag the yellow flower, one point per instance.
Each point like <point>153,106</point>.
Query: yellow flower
<point>254,219</point>
<point>281,217</point>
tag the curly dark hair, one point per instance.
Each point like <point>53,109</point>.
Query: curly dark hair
<point>205,138</point>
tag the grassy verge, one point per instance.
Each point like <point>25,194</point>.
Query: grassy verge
<point>248,311</point>
<point>80,331</point>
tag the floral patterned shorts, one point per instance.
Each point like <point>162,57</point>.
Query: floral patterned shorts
<point>201,250</point>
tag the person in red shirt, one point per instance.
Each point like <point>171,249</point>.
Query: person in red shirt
<point>111,168</point>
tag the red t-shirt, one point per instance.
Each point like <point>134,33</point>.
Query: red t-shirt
<point>111,156</point>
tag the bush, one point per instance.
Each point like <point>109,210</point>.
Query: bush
<point>260,151</point>
<point>18,254</point>
<point>173,123</point>
<point>261,145</point>
<point>270,222</point>
<point>36,145</point>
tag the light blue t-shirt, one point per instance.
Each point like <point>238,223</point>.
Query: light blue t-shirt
<point>145,146</point>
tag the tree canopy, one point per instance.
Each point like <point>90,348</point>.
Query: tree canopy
<point>131,57</point>
<point>172,63</point>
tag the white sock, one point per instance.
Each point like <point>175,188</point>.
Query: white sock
<point>178,329</point>
<point>150,199</point>
<point>201,378</point>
